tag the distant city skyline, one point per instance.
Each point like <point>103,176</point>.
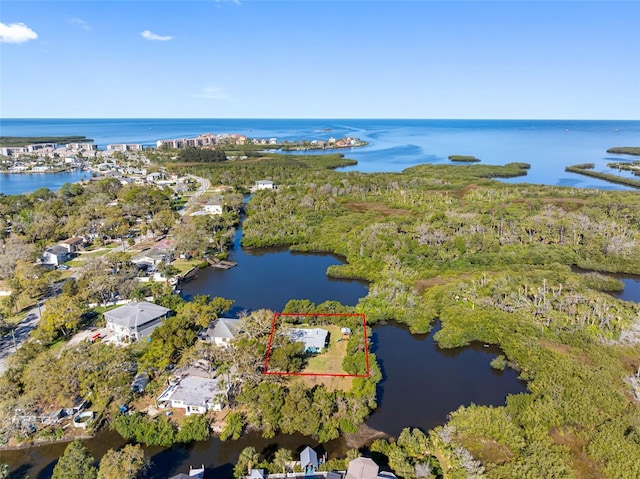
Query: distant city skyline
<point>312,59</point>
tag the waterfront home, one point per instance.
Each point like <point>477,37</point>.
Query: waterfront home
<point>214,205</point>
<point>308,460</point>
<point>151,258</point>
<point>366,468</point>
<point>197,472</point>
<point>223,331</point>
<point>314,340</point>
<point>135,320</point>
<point>257,474</point>
<point>264,185</point>
<point>196,395</point>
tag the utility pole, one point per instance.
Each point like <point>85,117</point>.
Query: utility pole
<point>13,335</point>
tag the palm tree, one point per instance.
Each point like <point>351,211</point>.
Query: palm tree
<point>281,458</point>
<point>250,456</point>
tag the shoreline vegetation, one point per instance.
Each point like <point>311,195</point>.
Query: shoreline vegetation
<point>492,261</point>
<point>464,158</point>
<point>586,170</point>
<point>625,150</point>
<point>17,141</point>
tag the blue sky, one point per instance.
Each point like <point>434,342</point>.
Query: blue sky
<point>324,59</point>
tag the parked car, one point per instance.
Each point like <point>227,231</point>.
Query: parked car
<point>62,267</point>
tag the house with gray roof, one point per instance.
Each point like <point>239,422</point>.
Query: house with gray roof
<point>135,320</point>
<point>308,460</point>
<point>195,395</point>
<point>214,205</point>
<point>55,255</point>
<point>315,339</point>
<point>151,258</point>
<point>365,468</point>
<point>223,331</point>
<point>264,185</point>
<point>257,474</point>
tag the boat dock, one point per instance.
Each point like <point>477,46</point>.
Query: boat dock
<point>221,264</point>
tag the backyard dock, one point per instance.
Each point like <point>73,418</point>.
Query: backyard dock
<point>221,264</point>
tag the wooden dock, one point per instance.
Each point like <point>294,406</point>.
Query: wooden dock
<point>221,264</point>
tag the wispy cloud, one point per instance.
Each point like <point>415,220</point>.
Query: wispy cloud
<point>16,33</point>
<point>237,2</point>
<point>213,93</point>
<point>157,38</point>
<point>80,22</point>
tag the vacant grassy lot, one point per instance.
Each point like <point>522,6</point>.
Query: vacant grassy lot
<point>332,383</point>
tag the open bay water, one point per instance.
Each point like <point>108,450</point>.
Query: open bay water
<point>19,183</point>
<point>548,145</point>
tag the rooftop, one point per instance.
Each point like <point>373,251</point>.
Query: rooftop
<point>135,314</point>
<point>193,390</point>
<point>315,338</point>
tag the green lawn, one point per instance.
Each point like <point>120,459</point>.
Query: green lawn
<point>184,265</point>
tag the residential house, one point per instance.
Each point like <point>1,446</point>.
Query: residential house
<point>224,330</point>
<point>135,320</point>
<point>264,185</point>
<point>365,468</point>
<point>195,395</point>
<point>151,258</point>
<point>214,205</point>
<point>308,460</point>
<point>72,245</point>
<point>257,474</point>
<point>193,472</point>
<point>55,255</point>
<point>315,340</point>
<point>140,382</point>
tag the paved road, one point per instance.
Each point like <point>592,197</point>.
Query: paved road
<point>9,342</point>
<point>21,333</point>
<point>204,186</point>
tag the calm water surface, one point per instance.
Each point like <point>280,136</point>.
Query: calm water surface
<point>548,145</point>
<point>19,183</point>
<point>269,277</point>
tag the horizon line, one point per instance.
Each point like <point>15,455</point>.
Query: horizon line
<point>315,118</point>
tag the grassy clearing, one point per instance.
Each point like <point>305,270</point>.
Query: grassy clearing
<point>184,265</point>
<point>331,383</point>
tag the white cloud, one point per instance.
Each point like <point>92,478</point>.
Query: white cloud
<point>80,22</point>
<point>152,36</point>
<point>16,33</point>
<point>237,2</point>
<point>213,93</point>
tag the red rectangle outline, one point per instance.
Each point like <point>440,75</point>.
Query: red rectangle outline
<point>266,371</point>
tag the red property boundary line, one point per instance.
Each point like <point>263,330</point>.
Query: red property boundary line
<point>276,316</point>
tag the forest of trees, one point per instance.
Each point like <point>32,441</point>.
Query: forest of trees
<point>201,155</point>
